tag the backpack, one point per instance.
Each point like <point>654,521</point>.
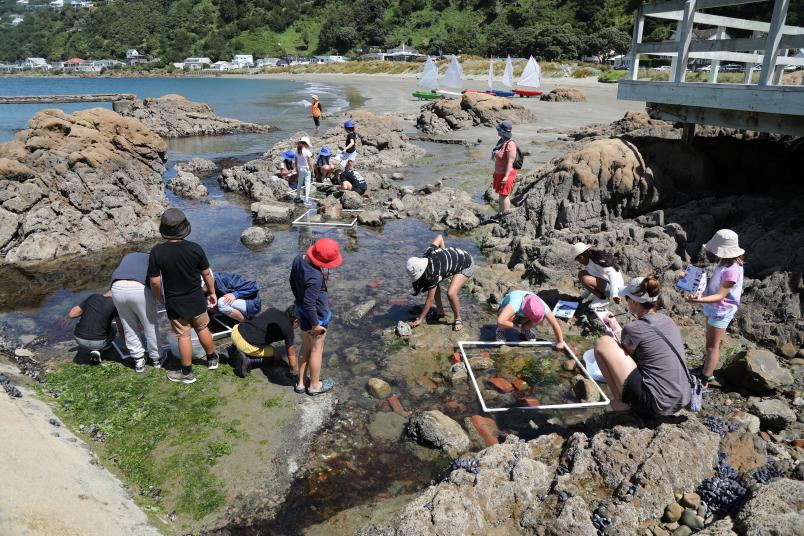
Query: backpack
<point>519,159</point>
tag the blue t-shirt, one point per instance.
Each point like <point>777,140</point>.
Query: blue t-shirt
<point>309,289</point>
<point>515,299</point>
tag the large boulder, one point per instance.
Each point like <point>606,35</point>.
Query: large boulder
<point>187,185</point>
<point>173,116</point>
<point>76,183</point>
<point>774,414</point>
<point>758,371</point>
<point>256,237</point>
<point>473,109</point>
<point>198,165</point>
<point>257,180</point>
<point>436,429</point>
<point>272,213</point>
<point>775,508</point>
<point>564,94</point>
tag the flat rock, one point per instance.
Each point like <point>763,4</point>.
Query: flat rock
<point>273,213</point>
<point>773,413</point>
<point>775,508</point>
<point>378,388</point>
<point>256,237</point>
<point>436,429</point>
<point>403,329</point>
<point>197,165</point>
<point>371,218</point>
<point>386,426</point>
<point>757,370</point>
<point>564,94</point>
<point>360,310</point>
<point>744,450</point>
<point>187,185</point>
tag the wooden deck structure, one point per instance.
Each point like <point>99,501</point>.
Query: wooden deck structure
<point>58,99</point>
<point>765,106</point>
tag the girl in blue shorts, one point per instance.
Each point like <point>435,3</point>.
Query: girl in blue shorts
<point>525,309</point>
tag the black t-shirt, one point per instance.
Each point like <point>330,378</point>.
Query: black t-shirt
<point>443,263</point>
<point>180,264</point>
<point>97,314</point>
<point>356,180</point>
<point>351,137</point>
<point>268,327</point>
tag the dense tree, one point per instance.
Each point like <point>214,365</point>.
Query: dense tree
<point>607,42</point>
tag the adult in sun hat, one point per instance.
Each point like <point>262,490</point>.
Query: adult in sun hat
<point>304,168</point>
<point>348,151</point>
<point>436,264</point>
<point>721,299</point>
<point>646,371</point>
<point>600,273</point>
<point>527,310</point>
<point>503,155</point>
<point>323,167</point>
<point>178,266</point>
<point>287,168</point>
<point>315,111</point>
<point>308,281</point>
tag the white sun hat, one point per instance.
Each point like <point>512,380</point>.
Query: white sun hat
<point>305,140</point>
<point>631,289</point>
<point>578,249</point>
<point>416,267</point>
<point>724,245</point>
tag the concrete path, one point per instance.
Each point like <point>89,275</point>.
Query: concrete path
<point>49,487</point>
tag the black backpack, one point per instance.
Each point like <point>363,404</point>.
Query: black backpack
<point>519,159</point>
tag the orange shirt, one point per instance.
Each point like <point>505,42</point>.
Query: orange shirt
<point>501,156</point>
<point>316,109</point>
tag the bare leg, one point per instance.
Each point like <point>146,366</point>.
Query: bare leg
<point>346,185</point>
<point>595,285</point>
<point>504,203</point>
<point>186,350</point>
<point>453,293</point>
<point>205,338</point>
<point>304,358</point>
<point>439,303</point>
<point>615,366</point>
<point>713,338</point>
<point>316,358</point>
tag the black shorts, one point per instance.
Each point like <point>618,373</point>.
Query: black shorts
<point>636,395</point>
<point>359,189</point>
<point>317,121</point>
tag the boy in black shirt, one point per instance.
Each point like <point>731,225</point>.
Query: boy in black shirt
<point>252,340</point>
<point>94,332</point>
<point>439,263</point>
<point>178,266</point>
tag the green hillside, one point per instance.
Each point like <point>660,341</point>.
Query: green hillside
<point>175,29</point>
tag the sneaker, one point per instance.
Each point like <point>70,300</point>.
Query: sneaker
<point>239,364</point>
<point>298,201</point>
<point>95,356</point>
<point>157,363</point>
<point>213,361</point>
<point>139,364</point>
<point>499,336</point>
<point>310,204</point>
<point>527,334</point>
<point>179,377</point>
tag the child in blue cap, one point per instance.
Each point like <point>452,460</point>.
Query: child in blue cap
<point>287,168</point>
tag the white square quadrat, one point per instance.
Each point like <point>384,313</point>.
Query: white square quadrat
<point>300,221</point>
<point>463,345</point>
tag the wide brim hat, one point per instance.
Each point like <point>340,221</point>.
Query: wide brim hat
<point>724,245</point>
<point>505,127</point>
<point>314,97</point>
<point>533,308</point>
<point>416,267</point>
<point>289,155</point>
<point>630,291</point>
<point>325,151</point>
<point>305,140</point>
<point>325,253</point>
<point>579,249</point>
<point>174,225</point>
<point>348,124</point>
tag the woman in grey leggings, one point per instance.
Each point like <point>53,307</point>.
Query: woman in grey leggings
<point>136,307</point>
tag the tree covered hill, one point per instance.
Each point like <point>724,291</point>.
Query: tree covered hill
<point>175,29</point>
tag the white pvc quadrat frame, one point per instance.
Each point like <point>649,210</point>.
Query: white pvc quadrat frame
<point>298,222</point>
<point>462,345</point>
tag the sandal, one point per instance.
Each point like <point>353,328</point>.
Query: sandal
<point>326,386</point>
<point>299,390</point>
<point>457,325</point>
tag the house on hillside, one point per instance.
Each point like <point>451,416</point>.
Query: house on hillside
<point>57,4</point>
<point>73,64</point>
<point>403,53</point>
<point>266,62</point>
<point>57,65</point>
<point>109,64</point>
<point>80,4</point>
<point>90,67</point>
<point>196,64</point>
<point>243,60</point>
<point>35,64</point>
<point>225,66</point>
<point>16,20</point>
<point>22,2</point>
<point>329,59</point>
<point>135,58</point>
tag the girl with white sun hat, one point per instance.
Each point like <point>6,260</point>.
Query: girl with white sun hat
<point>721,299</point>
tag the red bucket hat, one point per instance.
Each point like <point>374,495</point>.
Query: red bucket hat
<point>325,253</point>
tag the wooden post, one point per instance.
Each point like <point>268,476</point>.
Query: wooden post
<point>636,39</point>
<point>684,38</point>
<point>715,65</point>
<point>688,134</point>
<point>772,46</point>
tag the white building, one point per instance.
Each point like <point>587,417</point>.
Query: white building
<point>17,19</point>
<point>79,4</point>
<point>36,63</point>
<point>57,4</point>
<point>243,60</point>
<point>109,64</point>
<point>90,67</point>
<point>22,2</point>
<point>330,59</point>
<point>267,62</point>
<point>196,64</point>
<point>225,66</point>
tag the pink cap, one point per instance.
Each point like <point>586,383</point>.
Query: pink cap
<point>533,307</point>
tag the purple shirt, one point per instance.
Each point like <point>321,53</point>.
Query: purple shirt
<point>721,274</point>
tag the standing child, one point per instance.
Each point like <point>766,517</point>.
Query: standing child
<point>309,285</point>
<point>315,111</point>
<point>527,310</point>
<point>304,168</point>
<point>436,264</point>
<point>177,265</point>
<point>722,296</point>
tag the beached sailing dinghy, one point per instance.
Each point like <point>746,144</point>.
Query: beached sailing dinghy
<point>429,81</point>
<point>531,78</point>
<point>453,78</point>
<point>507,79</point>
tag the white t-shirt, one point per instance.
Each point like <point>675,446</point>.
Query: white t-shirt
<point>301,159</point>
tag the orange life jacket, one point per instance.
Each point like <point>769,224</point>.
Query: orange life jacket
<point>316,110</point>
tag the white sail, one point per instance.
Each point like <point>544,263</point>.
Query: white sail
<point>429,78</point>
<point>508,74</point>
<point>491,73</point>
<point>532,75</point>
<point>454,76</point>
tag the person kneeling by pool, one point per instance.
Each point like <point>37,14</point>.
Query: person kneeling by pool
<point>525,309</point>
<point>436,264</point>
<point>252,340</point>
<point>353,180</point>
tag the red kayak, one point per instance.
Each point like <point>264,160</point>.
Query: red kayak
<point>527,92</point>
